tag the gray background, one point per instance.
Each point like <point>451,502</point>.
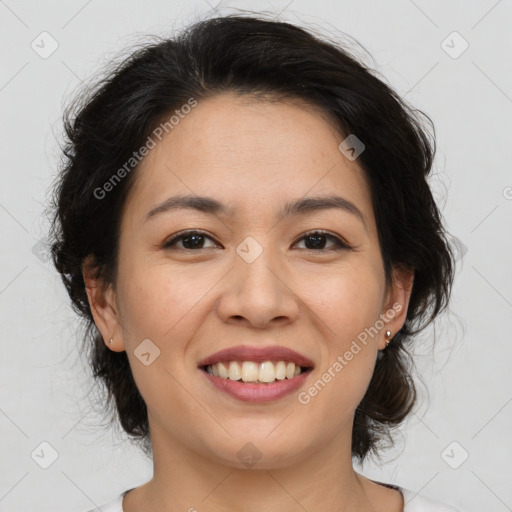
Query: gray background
<point>465,400</point>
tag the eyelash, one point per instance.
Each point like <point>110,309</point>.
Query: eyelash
<point>340,244</point>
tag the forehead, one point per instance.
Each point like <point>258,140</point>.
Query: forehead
<point>249,153</point>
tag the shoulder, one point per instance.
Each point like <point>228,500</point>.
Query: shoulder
<point>417,503</point>
<point>115,505</point>
<point>413,503</point>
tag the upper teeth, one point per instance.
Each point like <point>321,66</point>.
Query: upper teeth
<point>249,371</point>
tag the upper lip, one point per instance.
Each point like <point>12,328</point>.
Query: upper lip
<point>257,354</point>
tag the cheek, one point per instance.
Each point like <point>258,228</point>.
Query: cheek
<point>163,309</point>
<point>349,305</point>
<point>347,299</point>
<point>156,301</point>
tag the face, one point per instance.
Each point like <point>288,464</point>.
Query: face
<point>311,281</point>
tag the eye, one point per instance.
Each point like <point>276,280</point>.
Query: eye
<point>194,240</point>
<point>190,240</point>
<point>317,241</point>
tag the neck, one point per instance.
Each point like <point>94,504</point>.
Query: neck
<point>319,480</point>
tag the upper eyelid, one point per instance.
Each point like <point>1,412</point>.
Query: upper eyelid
<point>189,232</point>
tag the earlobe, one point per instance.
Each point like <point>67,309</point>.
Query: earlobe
<point>396,304</point>
<point>102,302</point>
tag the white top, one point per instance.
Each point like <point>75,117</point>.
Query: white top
<point>413,503</point>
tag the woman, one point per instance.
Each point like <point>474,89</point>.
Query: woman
<point>243,219</point>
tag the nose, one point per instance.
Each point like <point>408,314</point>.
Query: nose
<point>258,294</point>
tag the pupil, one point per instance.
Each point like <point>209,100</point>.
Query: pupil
<point>195,244</point>
<point>317,244</point>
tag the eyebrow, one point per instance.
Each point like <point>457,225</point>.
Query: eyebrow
<point>293,208</point>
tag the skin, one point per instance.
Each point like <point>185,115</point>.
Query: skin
<point>253,156</point>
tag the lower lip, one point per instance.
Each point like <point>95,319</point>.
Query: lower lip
<point>257,392</point>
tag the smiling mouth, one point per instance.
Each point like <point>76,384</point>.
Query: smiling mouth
<point>251,372</point>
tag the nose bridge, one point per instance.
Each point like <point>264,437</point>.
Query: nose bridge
<point>257,289</point>
<point>257,266</point>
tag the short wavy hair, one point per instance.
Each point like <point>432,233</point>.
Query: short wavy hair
<point>248,54</point>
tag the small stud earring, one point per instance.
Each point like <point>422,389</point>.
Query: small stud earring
<point>388,335</point>
<point>111,341</point>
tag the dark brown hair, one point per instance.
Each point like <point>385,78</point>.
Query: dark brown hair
<point>252,55</point>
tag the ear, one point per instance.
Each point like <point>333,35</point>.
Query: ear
<point>395,307</point>
<point>102,301</point>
